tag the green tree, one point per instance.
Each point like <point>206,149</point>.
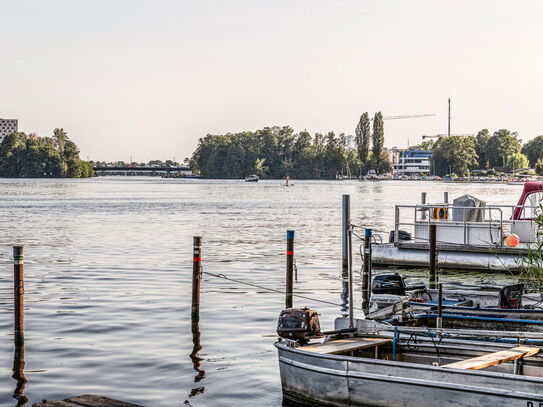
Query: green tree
<point>517,161</point>
<point>501,145</point>
<point>539,166</point>
<point>378,139</point>
<point>26,156</point>
<point>481,146</point>
<point>454,154</point>
<point>362,140</point>
<point>427,145</point>
<point>260,167</point>
<point>533,149</point>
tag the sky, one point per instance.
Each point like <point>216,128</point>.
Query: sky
<point>147,78</point>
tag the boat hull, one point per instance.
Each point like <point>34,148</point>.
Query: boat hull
<point>391,255</point>
<point>341,381</point>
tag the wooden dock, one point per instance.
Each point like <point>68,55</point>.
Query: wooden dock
<point>87,400</point>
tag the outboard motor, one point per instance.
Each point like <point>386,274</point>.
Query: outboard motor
<point>298,324</point>
<point>511,296</point>
<point>388,284</point>
<point>386,290</point>
<point>402,236</point>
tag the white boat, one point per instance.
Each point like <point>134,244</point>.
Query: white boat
<point>470,233</point>
<point>252,178</point>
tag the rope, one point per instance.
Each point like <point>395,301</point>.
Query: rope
<point>273,289</point>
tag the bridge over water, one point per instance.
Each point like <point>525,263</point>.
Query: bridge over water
<point>141,170</point>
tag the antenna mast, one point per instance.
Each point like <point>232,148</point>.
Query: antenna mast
<point>449,131</point>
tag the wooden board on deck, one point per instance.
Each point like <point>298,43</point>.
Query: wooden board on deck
<point>493,359</point>
<point>87,400</point>
<point>345,345</point>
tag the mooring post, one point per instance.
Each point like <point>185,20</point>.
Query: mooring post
<point>439,321</point>
<point>19,292</point>
<point>445,197</point>
<point>366,273</point>
<point>433,255</point>
<point>351,281</point>
<point>345,226</point>
<point>423,202</point>
<point>196,277</point>
<point>290,268</point>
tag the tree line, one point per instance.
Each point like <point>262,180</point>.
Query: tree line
<point>460,155</point>
<point>276,152</point>
<point>29,156</point>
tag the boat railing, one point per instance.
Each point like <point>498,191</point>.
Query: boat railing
<point>464,225</point>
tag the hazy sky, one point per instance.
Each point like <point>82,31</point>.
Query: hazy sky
<point>148,78</point>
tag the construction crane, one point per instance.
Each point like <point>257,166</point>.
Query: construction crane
<point>408,116</point>
<point>446,135</point>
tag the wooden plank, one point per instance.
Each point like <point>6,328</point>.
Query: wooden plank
<point>87,400</point>
<point>345,345</point>
<point>493,359</point>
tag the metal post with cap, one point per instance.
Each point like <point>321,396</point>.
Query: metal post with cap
<point>345,226</point>
<point>196,275</point>
<point>366,273</point>
<point>19,291</point>
<point>433,255</point>
<point>290,268</point>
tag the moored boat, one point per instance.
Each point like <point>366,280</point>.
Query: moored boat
<point>252,178</point>
<point>379,367</point>
<point>470,233</point>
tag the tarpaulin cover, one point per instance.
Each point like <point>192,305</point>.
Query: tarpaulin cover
<point>468,215</point>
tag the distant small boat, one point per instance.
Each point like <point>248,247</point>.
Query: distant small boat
<point>252,178</point>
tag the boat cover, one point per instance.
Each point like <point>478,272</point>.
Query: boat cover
<point>468,215</point>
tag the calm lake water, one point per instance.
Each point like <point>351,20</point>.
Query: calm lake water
<point>108,272</point>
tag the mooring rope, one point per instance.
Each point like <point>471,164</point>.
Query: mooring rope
<point>273,289</point>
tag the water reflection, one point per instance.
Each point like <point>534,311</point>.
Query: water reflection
<point>19,373</point>
<point>195,358</point>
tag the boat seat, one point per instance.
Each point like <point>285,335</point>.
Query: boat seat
<point>493,359</point>
<point>345,345</point>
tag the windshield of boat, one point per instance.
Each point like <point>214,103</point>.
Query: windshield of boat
<point>531,205</point>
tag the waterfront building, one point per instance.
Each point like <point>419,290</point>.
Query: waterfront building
<point>410,162</point>
<point>7,127</point>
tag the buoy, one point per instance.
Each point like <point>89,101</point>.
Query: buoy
<point>512,240</point>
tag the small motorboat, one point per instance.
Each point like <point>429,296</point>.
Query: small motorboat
<point>252,178</point>
<point>507,308</point>
<point>364,363</point>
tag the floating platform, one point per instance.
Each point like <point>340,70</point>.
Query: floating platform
<point>453,256</point>
<point>87,400</point>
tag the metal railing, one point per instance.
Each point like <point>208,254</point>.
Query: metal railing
<point>464,225</point>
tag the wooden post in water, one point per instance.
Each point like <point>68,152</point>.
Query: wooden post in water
<point>195,314</point>
<point>433,255</point>
<point>366,273</point>
<point>19,325</point>
<point>290,268</point>
<point>196,276</point>
<point>345,226</point>
<point>19,291</point>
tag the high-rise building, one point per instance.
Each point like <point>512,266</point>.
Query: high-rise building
<point>7,127</point>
